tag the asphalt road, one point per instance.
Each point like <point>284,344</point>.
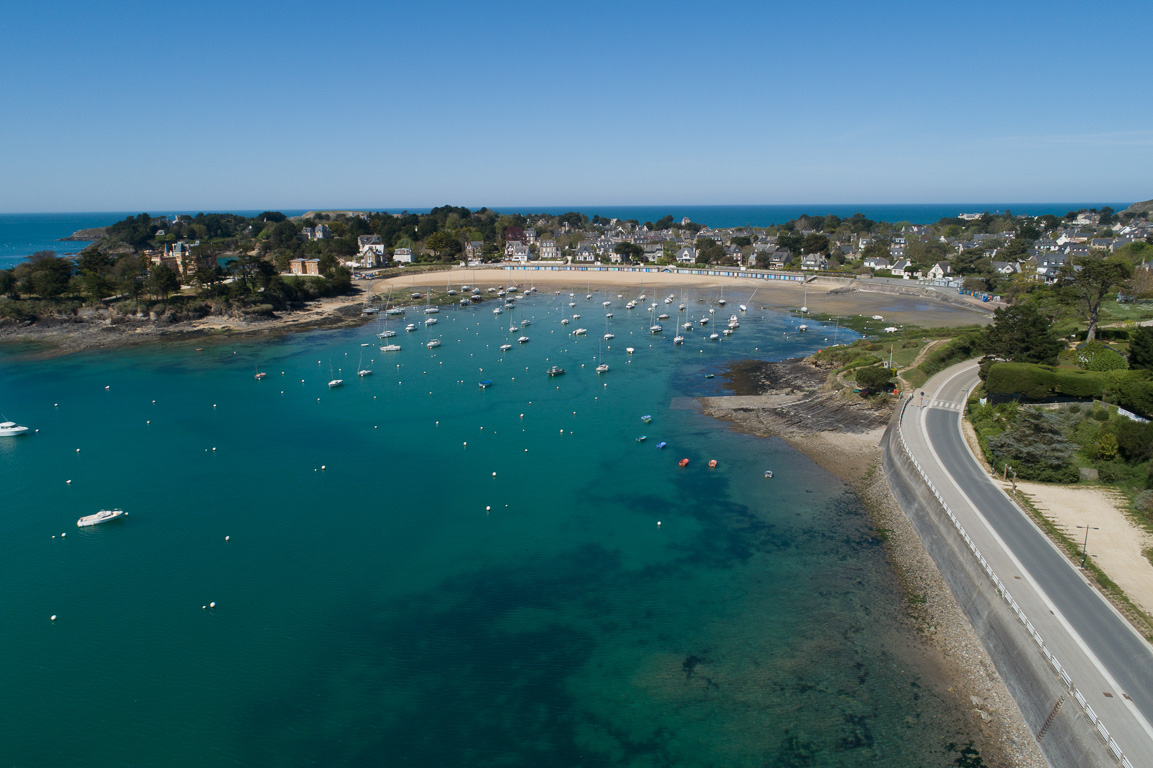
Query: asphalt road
<point>1108,661</point>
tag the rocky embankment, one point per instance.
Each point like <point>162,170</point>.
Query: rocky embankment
<point>85,235</point>
<point>89,328</point>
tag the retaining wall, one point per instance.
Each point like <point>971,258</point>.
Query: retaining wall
<point>1036,682</point>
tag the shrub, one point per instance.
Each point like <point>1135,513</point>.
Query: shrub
<point>1135,441</point>
<point>1144,503</point>
<point>875,377</point>
<point>1036,448</point>
<point>1107,447</point>
<point>1107,360</point>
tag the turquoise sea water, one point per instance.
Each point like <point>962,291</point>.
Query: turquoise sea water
<point>384,598</point>
<point>25,234</point>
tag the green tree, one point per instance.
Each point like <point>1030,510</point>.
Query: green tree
<point>708,250</point>
<point>1021,334</point>
<point>1141,348</point>
<point>1085,282</point>
<point>814,243</point>
<point>162,281</point>
<point>629,251</point>
<point>875,377</point>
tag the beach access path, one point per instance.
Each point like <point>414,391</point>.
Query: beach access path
<point>1109,666</point>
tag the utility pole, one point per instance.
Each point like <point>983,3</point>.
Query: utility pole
<point>1085,546</point>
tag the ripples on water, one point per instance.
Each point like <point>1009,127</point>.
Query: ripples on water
<point>375,612</point>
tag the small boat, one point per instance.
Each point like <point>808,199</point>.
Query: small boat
<point>362,372</point>
<point>605,303</point>
<point>513,328</point>
<point>714,337</point>
<point>465,302</point>
<point>433,344</point>
<point>630,350</point>
<point>678,339</point>
<point>712,463</point>
<point>662,445</point>
<point>505,347</point>
<point>410,327</point>
<point>497,311</point>
<point>631,305</point>
<point>662,317</point>
<point>580,332</point>
<point>390,348</point>
<point>642,438</point>
<point>564,321</point>
<point>709,375</point>
<point>11,429</point>
<point>386,334</point>
<point>451,291</point>
<point>576,317</point>
<point>681,307</point>
<point>603,368</point>
<point>687,326</point>
<point>430,321</point>
<point>260,375</point>
<point>803,327</point>
<point>572,304</point>
<point>647,418</point>
<point>609,336</point>
<point>683,463</point>
<point>103,516</point>
<point>769,474</point>
<point>431,310</point>
<point>556,370</point>
<point>609,315</point>
<point>525,323</point>
<point>727,332</point>
<point>712,311</point>
<point>334,382</point>
<point>655,329</point>
<point>394,311</point>
<point>704,321</point>
<point>486,384</point>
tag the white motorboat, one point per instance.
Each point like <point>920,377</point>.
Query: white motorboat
<point>687,326</point>
<point>605,303</point>
<point>410,327</point>
<point>522,340</point>
<point>576,316</point>
<point>678,339</point>
<point>505,347</point>
<point>704,321</point>
<point>609,336</point>
<point>564,321</point>
<point>11,429</point>
<point>714,337</point>
<point>433,344</point>
<point>431,310</point>
<point>430,321</point>
<point>497,311</point>
<point>603,368</point>
<point>655,329</point>
<point>390,348</point>
<point>630,350</point>
<point>386,334</point>
<point>727,331</point>
<point>580,332</point>
<point>335,383</point>
<point>662,317</point>
<point>103,516</point>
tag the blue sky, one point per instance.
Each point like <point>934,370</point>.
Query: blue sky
<point>243,105</point>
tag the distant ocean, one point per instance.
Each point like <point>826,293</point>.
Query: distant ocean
<point>26,233</point>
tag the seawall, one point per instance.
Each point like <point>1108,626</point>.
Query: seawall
<point>1065,734</point>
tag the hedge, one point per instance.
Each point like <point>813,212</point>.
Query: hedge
<point>1129,389</point>
<point>1106,334</point>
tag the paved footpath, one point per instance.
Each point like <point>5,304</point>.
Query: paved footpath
<point>1107,665</point>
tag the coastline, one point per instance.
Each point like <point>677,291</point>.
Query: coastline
<point>105,329</point>
<point>790,400</point>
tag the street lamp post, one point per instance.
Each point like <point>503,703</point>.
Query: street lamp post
<point>1085,546</point>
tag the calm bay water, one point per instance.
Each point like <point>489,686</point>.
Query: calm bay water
<point>404,605</point>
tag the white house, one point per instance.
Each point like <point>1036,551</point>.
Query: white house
<point>518,251</point>
<point>877,262</point>
<point>687,256</point>
<point>402,255</point>
<point>940,270</point>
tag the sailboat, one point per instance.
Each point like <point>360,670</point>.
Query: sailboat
<point>360,370</point>
<point>721,300</point>
<point>601,367</point>
<point>742,307</point>
<point>805,308</point>
<point>334,382</point>
<point>259,373</point>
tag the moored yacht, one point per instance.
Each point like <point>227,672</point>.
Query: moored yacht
<point>103,516</point>
<point>11,429</point>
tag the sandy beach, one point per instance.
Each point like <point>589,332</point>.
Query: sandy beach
<point>899,305</point>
